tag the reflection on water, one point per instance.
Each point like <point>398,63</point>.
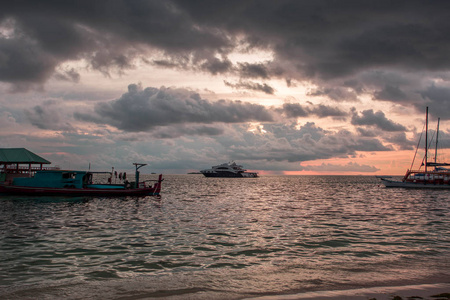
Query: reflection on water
<point>224,238</point>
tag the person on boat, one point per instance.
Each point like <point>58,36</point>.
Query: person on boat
<point>127,184</point>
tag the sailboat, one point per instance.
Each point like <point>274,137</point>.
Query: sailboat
<point>433,176</point>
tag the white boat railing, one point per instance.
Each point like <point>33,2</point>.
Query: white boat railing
<point>25,169</point>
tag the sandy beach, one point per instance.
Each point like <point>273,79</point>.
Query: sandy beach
<point>423,292</point>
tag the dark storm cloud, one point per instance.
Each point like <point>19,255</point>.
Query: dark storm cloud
<point>68,75</point>
<point>171,132</point>
<point>38,36</point>
<point>443,142</point>
<point>366,133</point>
<point>23,62</point>
<point>216,66</point>
<point>399,139</point>
<point>325,42</point>
<point>334,38</point>
<point>376,119</point>
<point>253,70</point>
<point>49,116</point>
<point>438,98</point>
<point>335,93</point>
<point>172,113</point>
<point>296,110</point>
<point>323,111</point>
<point>144,109</point>
<point>253,86</point>
<point>391,93</point>
<point>292,144</point>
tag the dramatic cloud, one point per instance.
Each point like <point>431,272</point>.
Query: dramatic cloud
<point>297,68</point>
<point>330,44</point>
<point>336,93</point>
<point>292,144</point>
<point>439,97</point>
<point>401,141</point>
<point>68,75</point>
<point>173,113</point>
<point>147,109</point>
<point>253,70</point>
<point>323,111</point>
<point>144,109</point>
<point>247,85</point>
<point>48,116</point>
<point>295,110</point>
<point>186,130</point>
<point>377,119</point>
<point>36,37</point>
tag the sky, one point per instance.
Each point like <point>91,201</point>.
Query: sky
<point>281,87</point>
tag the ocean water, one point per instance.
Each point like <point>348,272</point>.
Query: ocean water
<point>212,238</point>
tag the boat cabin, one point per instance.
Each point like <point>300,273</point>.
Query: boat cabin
<point>19,162</point>
<point>55,179</point>
<point>434,177</point>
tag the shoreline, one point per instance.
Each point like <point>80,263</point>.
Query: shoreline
<point>416,292</point>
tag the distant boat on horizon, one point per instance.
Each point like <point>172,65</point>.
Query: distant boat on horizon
<point>231,170</point>
<point>437,178</point>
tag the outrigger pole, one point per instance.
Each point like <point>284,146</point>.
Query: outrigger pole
<point>138,166</point>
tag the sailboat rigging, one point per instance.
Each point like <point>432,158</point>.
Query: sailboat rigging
<point>436,178</point>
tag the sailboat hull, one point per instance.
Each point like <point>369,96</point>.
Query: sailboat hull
<point>413,185</point>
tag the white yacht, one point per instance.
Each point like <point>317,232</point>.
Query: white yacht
<point>228,170</point>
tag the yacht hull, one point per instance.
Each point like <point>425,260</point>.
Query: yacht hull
<point>231,175</point>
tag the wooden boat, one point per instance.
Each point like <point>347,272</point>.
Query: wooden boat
<point>55,182</point>
<point>433,176</point>
<point>75,188</point>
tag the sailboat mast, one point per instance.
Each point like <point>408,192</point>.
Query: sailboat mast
<point>426,140</point>
<point>437,136</point>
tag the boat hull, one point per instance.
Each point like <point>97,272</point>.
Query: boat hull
<point>92,190</point>
<point>413,185</point>
<point>230,175</point>
<point>39,191</point>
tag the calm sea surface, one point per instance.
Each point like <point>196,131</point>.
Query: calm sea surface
<point>212,238</point>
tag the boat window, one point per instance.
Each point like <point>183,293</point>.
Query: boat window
<point>68,175</point>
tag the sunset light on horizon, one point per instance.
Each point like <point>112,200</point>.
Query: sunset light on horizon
<point>280,87</point>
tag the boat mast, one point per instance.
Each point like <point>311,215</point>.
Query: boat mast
<point>437,135</point>
<point>426,140</point>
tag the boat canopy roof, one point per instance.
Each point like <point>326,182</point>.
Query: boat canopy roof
<point>20,156</point>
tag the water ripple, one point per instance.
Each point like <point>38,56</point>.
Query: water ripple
<point>224,238</point>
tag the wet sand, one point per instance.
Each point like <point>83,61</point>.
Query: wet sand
<point>408,292</point>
